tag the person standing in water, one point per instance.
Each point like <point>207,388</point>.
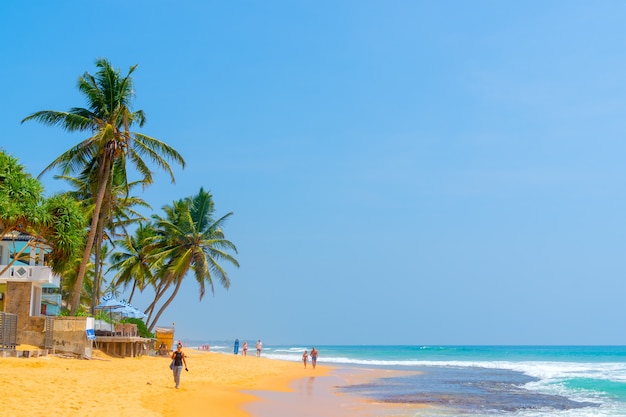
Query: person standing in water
<point>179,359</point>
<point>313,356</point>
<point>259,347</point>
<point>305,358</point>
<point>245,348</point>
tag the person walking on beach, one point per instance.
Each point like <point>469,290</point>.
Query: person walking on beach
<point>179,359</point>
<point>244,348</point>
<point>259,347</point>
<point>236,349</point>
<point>313,356</point>
<point>305,358</point>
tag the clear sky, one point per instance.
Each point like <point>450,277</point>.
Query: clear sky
<point>400,172</point>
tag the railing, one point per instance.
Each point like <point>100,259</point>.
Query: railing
<point>8,331</point>
<point>29,273</point>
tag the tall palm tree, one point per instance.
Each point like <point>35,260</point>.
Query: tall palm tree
<point>118,212</point>
<point>108,119</point>
<point>189,239</point>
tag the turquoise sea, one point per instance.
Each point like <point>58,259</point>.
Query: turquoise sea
<point>520,381</point>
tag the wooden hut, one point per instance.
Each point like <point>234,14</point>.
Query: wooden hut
<point>165,337</point>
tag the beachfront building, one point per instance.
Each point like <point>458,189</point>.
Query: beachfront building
<point>50,300</point>
<point>27,285</point>
<point>29,290</point>
<point>30,301</point>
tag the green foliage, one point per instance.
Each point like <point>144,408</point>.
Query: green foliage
<point>58,220</point>
<point>64,229</point>
<point>102,315</point>
<point>142,329</point>
<point>188,239</point>
<point>80,312</point>
<point>21,197</point>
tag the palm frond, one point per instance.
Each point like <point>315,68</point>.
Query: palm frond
<point>66,120</point>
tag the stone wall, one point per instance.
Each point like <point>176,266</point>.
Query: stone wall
<point>17,300</point>
<point>68,333</point>
<point>30,330</point>
<point>70,336</point>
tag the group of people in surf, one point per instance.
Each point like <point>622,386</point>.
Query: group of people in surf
<point>305,357</point>
<point>244,347</point>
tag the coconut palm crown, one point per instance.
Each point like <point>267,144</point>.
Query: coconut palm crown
<point>108,119</point>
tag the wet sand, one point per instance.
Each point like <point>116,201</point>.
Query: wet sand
<point>315,396</point>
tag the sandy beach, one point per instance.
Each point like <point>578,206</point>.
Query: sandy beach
<point>217,384</point>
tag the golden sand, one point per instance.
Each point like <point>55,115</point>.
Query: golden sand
<point>216,385</point>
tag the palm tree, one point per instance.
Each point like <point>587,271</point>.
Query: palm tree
<point>188,239</point>
<point>117,212</point>
<point>131,260</point>
<point>108,119</point>
<point>68,283</point>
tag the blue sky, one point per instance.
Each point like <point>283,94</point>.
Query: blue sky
<point>400,172</point>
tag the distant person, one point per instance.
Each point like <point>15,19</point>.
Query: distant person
<point>244,348</point>
<point>236,348</point>
<point>163,349</point>
<point>305,358</point>
<point>313,356</point>
<point>259,347</point>
<point>179,359</point>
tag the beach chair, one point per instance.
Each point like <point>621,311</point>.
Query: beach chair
<point>119,329</point>
<point>128,329</point>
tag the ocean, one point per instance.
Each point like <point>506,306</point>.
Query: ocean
<point>482,381</point>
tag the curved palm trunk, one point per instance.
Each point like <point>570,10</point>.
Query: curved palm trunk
<point>132,292</point>
<point>97,278</point>
<point>78,286</point>
<point>164,306</point>
<point>158,294</point>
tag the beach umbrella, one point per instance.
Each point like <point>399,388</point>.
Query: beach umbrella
<point>108,303</point>
<point>121,307</point>
<point>130,312</point>
<point>137,314</point>
<point>127,310</point>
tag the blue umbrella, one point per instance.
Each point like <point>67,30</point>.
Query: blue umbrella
<point>129,311</point>
<point>108,303</point>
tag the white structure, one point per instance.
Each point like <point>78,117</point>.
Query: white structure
<point>30,268</point>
